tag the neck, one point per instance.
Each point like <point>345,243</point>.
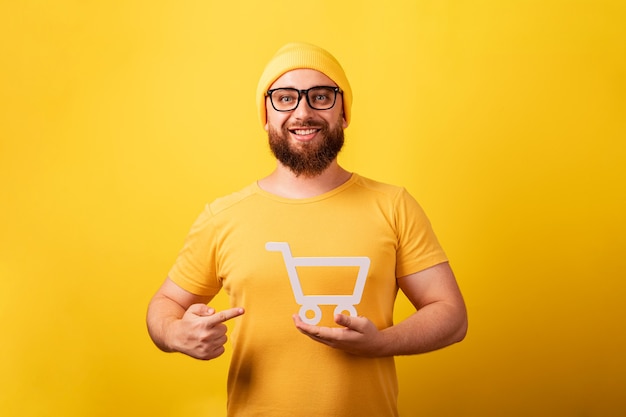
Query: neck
<point>284,183</point>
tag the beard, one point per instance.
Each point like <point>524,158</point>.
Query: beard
<point>307,159</point>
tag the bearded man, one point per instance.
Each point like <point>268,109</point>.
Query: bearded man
<point>312,257</point>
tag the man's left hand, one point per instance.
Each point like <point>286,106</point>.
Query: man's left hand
<point>358,336</point>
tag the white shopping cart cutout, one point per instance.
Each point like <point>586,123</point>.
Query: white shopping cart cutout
<point>312,302</point>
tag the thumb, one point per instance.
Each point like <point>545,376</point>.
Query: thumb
<point>201,310</point>
<point>352,323</point>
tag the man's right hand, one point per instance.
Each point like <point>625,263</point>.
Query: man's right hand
<point>201,332</point>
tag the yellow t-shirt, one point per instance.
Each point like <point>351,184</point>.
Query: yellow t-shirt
<point>275,370</point>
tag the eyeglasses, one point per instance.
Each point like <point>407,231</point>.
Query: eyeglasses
<point>318,98</point>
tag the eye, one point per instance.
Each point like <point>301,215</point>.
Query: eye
<point>322,95</point>
<point>285,96</point>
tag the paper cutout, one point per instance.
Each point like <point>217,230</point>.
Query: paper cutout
<point>312,302</point>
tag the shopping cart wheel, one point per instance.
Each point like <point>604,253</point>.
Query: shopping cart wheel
<point>349,308</point>
<point>317,314</point>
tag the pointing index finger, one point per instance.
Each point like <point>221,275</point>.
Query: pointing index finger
<point>225,315</point>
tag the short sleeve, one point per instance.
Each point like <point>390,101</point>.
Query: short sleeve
<point>194,269</point>
<point>418,247</point>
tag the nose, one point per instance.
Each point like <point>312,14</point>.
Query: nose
<point>303,110</point>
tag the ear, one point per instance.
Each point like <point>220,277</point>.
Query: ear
<point>345,123</point>
<point>267,122</point>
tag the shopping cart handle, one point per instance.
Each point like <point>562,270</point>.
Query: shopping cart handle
<point>279,247</point>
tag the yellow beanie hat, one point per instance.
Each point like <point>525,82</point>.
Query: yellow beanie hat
<point>302,55</point>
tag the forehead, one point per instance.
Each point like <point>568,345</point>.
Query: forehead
<point>302,79</point>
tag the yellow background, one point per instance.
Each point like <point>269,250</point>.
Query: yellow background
<point>506,119</point>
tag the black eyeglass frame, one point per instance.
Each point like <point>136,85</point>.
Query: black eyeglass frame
<point>337,90</point>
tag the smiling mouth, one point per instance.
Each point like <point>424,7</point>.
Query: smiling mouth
<point>304,132</point>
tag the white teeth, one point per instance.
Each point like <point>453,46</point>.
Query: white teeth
<point>305,132</point>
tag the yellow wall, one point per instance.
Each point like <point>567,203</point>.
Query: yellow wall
<point>506,119</point>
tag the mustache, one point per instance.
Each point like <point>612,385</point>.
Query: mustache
<point>308,123</point>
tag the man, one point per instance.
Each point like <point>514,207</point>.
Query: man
<point>315,255</point>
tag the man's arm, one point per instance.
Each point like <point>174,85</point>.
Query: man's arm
<point>441,316</point>
<point>180,321</point>
<point>440,320</point>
